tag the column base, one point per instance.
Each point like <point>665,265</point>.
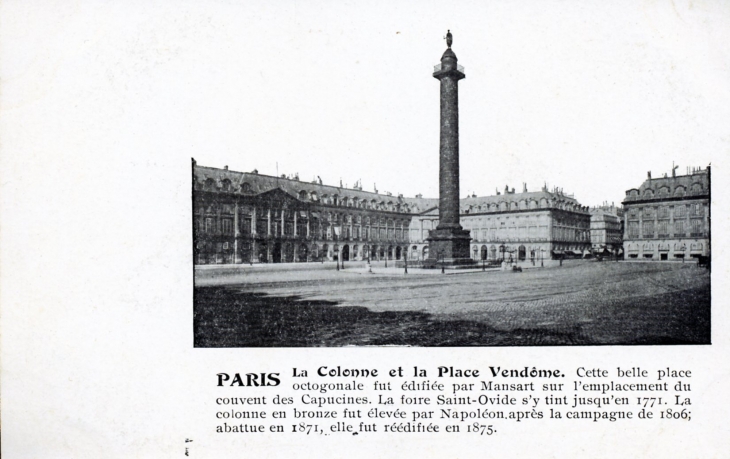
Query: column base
<point>448,247</point>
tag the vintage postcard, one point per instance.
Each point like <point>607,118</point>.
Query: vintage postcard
<point>394,229</point>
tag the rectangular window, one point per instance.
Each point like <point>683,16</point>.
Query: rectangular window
<point>633,229</point>
<point>680,211</point>
<point>262,226</point>
<point>648,229</point>
<point>209,228</point>
<point>663,228</point>
<point>679,228</point>
<point>697,227</point>
<point>227,226</point>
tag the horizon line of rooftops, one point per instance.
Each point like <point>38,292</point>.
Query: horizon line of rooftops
<point>690,170</point>
<point>555,192</point>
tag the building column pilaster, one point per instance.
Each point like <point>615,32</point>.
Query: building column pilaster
<point>268,221</point>
<point>236,237</point>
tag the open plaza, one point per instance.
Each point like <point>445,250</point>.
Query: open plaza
<point>582,302</point>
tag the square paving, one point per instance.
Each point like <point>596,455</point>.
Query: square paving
<point>582,302</point>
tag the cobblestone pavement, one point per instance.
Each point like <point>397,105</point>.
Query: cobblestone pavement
<point>582,302</point>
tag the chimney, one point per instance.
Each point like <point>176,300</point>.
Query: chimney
<point>648,175</point>
<point>225,168</point>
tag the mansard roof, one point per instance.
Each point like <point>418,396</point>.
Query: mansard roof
<point>246,183</point>
<point>694,184</point>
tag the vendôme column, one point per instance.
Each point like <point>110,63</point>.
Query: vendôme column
<point>448,244</point>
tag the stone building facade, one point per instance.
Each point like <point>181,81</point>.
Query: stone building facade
<point>519,226</point>
<point>253,218</point>
<point>241,217</point>
<point>668,218</point>
<point>607,231</point>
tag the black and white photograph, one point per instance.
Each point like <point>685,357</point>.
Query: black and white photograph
<point>554,197</point>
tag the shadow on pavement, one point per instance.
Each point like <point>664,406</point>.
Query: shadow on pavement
<point>225,317</point>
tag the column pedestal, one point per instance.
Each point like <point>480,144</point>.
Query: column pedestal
<point>448,247</point>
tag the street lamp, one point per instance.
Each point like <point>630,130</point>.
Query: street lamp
<point>405,260</point>
<point>542,257</point>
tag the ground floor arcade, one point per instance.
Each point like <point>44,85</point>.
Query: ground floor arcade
<point>279,250</point>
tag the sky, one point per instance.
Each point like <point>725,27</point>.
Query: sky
<point>587,96</point>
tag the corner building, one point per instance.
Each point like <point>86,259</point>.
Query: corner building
<point>607,230</point>
<point>668,218</point>
<point>241,217</point>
